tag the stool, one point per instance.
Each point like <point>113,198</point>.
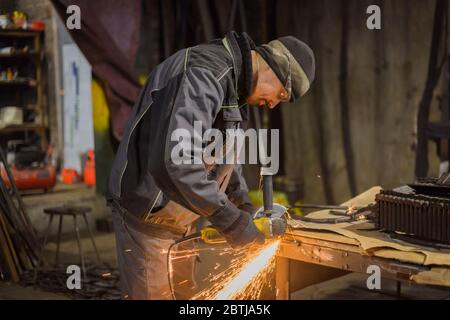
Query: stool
<point>73,211</point>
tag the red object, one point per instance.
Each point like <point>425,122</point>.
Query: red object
<point>89,169</point>
<point>32,178</point>
<point>69,176</point>
<point>37,25</point>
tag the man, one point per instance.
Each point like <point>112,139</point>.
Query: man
<point>154,200</point>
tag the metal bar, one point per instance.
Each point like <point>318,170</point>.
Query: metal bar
<point>58,240</point>
<point>77,233</point>
<point>41,254</point>
<point>92,238</point>
<point>421,163</point>
<point>12,182</point>
<point>318,206</point>
<point>268,193</point>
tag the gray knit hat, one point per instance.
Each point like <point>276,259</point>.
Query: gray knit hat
<point>293,62</point>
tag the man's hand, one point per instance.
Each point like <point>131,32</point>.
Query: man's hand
<point>243,231</point>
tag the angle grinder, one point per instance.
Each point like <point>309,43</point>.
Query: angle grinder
<point>270,219</point>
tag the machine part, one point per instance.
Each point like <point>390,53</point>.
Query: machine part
<point>29,166</point>
<point>433,186</point>
<point>414,215</point>
<point>270,227</point>
<point>277,211</point>
<point>318,206</point>
<point>32,178</point>
<point>275,224</point>
<point>351,214</point>
<point>424,243</point>
<point>267,191</point>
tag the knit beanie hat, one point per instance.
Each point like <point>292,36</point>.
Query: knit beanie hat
<point>292,61</point>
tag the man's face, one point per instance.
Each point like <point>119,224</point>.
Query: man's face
<point>268,90</point>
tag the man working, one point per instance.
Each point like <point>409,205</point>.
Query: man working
<point>154,200</point>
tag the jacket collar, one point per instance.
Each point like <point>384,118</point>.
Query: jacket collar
<point>240,47</point>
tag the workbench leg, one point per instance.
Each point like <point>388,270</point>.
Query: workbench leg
<point>282,278</point>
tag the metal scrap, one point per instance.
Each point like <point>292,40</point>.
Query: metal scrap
<point>349,215</point>
<point>414,215</point>
<point>101,283</point>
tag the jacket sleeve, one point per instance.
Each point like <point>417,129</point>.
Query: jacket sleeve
<point>237,191</point>
<point>198,99</point>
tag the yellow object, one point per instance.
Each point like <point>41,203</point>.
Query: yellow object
<point>142,79</point>
<point>100,108</point>
<point>278,197</point>
<point>211,235</point>
<point>257,200</point>
<point>263,225</point>
<point>19,19</point>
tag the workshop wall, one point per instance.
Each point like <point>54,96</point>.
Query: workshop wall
<point>374,105</point>
<point>386,73</point>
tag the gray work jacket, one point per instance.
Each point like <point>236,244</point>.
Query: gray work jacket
<point>194,84</point>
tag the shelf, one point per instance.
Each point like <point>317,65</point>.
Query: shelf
<point>21,82</point>
<point>24,33</point>
<point>28,88</point>
<point>25,107</point>
<point>19,55</point>
<point>23,127</point>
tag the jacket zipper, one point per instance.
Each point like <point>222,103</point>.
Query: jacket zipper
<point>128,142</point>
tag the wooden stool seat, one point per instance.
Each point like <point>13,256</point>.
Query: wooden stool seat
<point>67,210</point>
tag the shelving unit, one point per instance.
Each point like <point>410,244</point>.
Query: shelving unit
<point>27,90</point>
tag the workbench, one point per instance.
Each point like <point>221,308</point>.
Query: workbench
<point>312,253</point>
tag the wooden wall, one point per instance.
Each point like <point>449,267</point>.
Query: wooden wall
<point>386,72</point>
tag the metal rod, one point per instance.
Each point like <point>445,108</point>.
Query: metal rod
<point>319,206</point>
<point>267,194</point>
<point>77,232</point>
<point>58,240</point>
<point>92,238</point>
<point>41,254</point>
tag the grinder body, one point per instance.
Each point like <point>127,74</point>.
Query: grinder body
<point>269,219</point>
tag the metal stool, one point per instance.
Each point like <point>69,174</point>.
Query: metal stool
<point>73,211</point>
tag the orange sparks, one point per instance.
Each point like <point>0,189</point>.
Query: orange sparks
<point>251,271</point>
<point>246,277</point>
<point>351,208</point>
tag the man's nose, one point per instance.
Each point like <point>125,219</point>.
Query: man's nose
<point>274,103</point>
